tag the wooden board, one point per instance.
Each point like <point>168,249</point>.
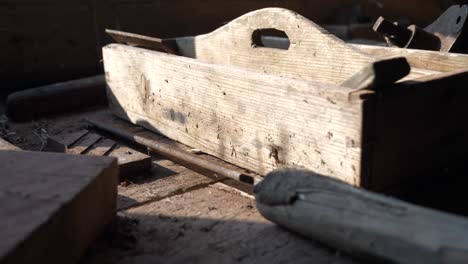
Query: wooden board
<point>61,143</point>
<point>53,205</point>
<point>172,179</point>
<point>130,161</point>
<point>256,121</point>
<point>84,143</point>
<point>424,59</point>
<point>313,53</point>
<point>88,143</point>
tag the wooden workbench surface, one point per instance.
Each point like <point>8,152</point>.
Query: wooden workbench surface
<point>176,215</point>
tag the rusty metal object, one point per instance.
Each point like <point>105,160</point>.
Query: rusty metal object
<point>176,154</point>
<point>442,35</point>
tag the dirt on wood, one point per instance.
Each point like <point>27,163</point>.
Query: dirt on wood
<point>176,215</point>
<point>209,225</point>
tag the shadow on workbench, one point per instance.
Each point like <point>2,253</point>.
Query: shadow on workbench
<point>159,238</point>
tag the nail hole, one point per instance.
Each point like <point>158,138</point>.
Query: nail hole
<point>459,20</point>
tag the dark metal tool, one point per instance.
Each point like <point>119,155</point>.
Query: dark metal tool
<point>171,152</point>
<point>446,34</point>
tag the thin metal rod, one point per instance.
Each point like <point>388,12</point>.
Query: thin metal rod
<point>173,153</point>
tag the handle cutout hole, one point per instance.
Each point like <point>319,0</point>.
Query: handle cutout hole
<point>270,38</point>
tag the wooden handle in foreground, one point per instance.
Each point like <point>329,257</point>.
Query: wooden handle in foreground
<point>360,222</point>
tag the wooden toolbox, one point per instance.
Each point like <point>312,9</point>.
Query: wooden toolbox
<point>261,105</point>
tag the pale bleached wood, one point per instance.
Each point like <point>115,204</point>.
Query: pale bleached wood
<point>314,53</point>
<point>253,120</point>
<point>360,222</point>
<point>429,60</point>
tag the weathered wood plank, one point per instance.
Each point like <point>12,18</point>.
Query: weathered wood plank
<point>182,180</point>
<point>313,53</point>
<point>48,198</point>
<point>417,70</point>
<point>84,143</point>
<point>102,148</point>
<point>360,222</point>
<point>424,59</point>
<point>61,143</point>
<point>253,120</point>
<point>130,161</point>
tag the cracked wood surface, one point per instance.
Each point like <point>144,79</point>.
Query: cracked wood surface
<point>361,222</point>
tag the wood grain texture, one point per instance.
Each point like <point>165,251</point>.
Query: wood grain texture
<point>314,54</point>
<point>53,205</point>
<point>61,143</point>
<point>102,148</point>
<point>360,222</point>
<point>88,143</point>
<point>84,143</point>
<point>424,59</point>
<point>256,121</point>
<point>179,180</point>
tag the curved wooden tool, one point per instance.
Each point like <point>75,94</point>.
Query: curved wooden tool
<point>361,222</point>
<point>313,53</point>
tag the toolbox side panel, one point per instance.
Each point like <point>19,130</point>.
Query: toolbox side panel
<point>311,54</point>
<point>420,127</point>
<point>253,120</point>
